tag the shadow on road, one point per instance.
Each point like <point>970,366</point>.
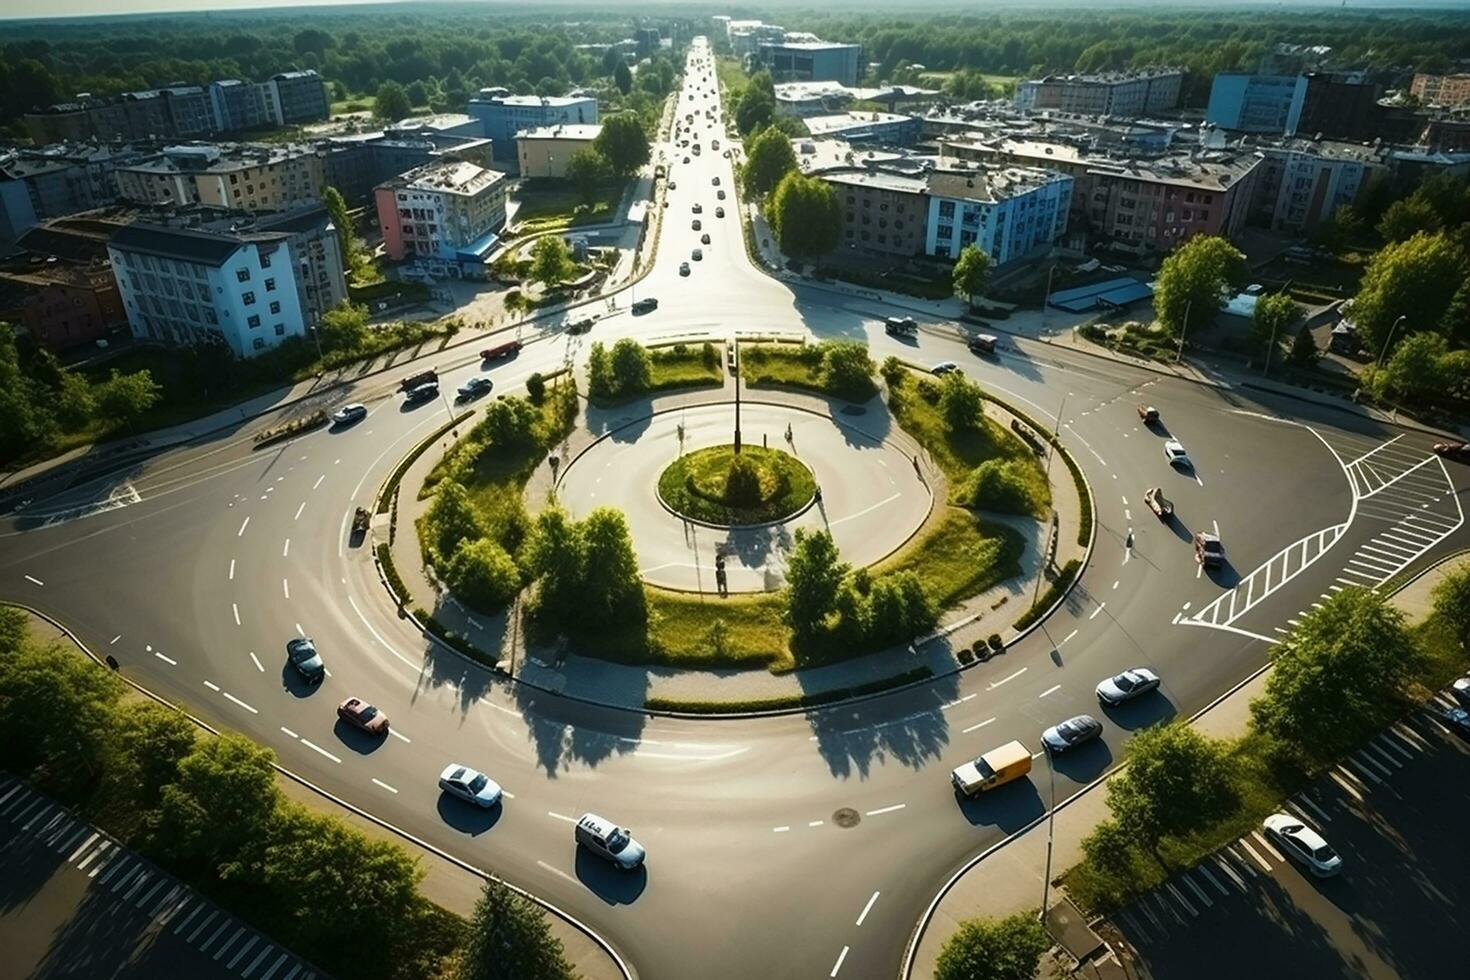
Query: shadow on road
<point>613,885</point>
<point>1007,808</point>
<point>1151,709</point>
<point>467,818</point>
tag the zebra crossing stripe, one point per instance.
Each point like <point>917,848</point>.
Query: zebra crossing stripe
<point>1194,913</point>
<point>245,973</point>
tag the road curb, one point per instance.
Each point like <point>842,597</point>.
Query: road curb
<point>576,923</point>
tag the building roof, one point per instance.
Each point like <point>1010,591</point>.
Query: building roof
<point>811,45</point>
<point>293,75</point>
<point>564,131</point>
<point>881,179</point>
<point>449,177</point>
<point>436,121</point>
<point>185,244</point>
<point>990,184</point>
<point>845,121</point>
<point>534,101</point>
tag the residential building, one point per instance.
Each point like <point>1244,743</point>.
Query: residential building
<point>187,286</point>
<point>1134,93</point>
<point>37,184</point>
<point>190,111</point>
<point>883,212</point>
<point>802,99</point>
<point>444,214</point>
<point>1302,182</point>
<point>867,127</point>
<point>1449,91</point>
<point>1248,103</point>
<point>504,115</point>
<point>1341,105</point>
<point>315,251</point>
<point>544,152</point>
<point>1007,212</point>
<point>442,124</point>
<point>358,163</point>
<point>299,96</point>
<point>241,177</point>
<point>59,303</point>
<point>241,105</point>
<point>811,61</point>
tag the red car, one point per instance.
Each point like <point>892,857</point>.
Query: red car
<point>504,350</point>
<point>1458,451</point>
<point>359,714</point>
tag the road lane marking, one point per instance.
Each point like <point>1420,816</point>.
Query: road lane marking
<point>780,830</point>
<point>286,549</point>
<point>1346,786</point>
<point>289,732</point>
<point>1116,584</point>
<point>114,640</point>
<point>232,569</point>
<point>1068,637</point>
<point>558,816</point>
<point>299,510</point>
<point>1003,680</point>
<point>212,686</point>
<point>1097,610</point>
<point>258,665</point>
<point>815,823</point>
<point>1261,839</point>
<point>319,481</point>
<point>973,727</point>
<point>379,782</point>
<point>317,748</point>
<point>885,809</point>
<point>838,965</point>
<point>286,588</point>
<point>242,704</point>
<point>243,525</point>
<point>299,630</point>
<point>956,701</point>
<point>398,735</point>
<point>235,607</point>
<point>867,908</point>
<point>167,660</point>
<point>1050,690</point>
<point>33,580</point>
<point>1254,856</point>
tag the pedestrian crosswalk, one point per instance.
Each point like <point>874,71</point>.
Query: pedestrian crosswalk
<point>133,884</point>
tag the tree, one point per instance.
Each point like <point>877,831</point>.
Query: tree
<point>1274,316</point>
<point>768,158</point>
<point>557,556</point>
<point>994,949</point>
<point>1003,485</point>
<point>899,608</point>
<point>75,402</point>
<point>847,369</point>
<point>1415,371</point>
<point>1416,279</point>
<point>623,77</point>
<point>1405,219</point>
<point>511,422</point>
<point>26,420</point>
<point>418,94</point>
<point>536,387</point>
<point>218,813</point>
<point>805,216</point>
<point>622,143</point>
<point>452,518</point>
<point>343,328</point>
<point>1338,675</point>
<point>1452,602</point>
<point>551,261</point>
<point>13,631</point>
<point>342,221</point>
<point>151,741</point>
<point>612,590</point>
<point>126,397</point>
<point>961,403</point>
<point>970,270</point>
<point>1177,781</point>
<point>814,574</point>
<point>586,170</point>
<point>756,107</point>
<point>600,381</point>
<point>632,368</point>
<point>392,102</point>
<point>1194,280</point>
<point>509,939</point>
<point>1304,351</point>
<point>56,710</point>
<point>311,40</point>
<point>483,574</point>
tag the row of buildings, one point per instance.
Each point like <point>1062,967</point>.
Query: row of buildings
<point>185,111</point>
<point>792,56</point>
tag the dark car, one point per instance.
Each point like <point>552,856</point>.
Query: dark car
<point>581,326</point>
<point>363,716</point>
<point>474,388</point>
<point>1070,733</point>
<point>645,306</point>
<point>1460,691</point>
<point>1208,550</point>
<point>1457,720</point>
<point>1457,451</point>
<point>423,393</point>
<point>303,656</point>
<point>418,380</point>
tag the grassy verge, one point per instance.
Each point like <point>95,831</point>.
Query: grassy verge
<point>1084,495</point>
<point>732,79</point>
<point>791,701</point>
<point>754,636</point>
<point>673,367</point>
<point>795,366</point>
<point>695,485</point>
<point>558,205</point>
<point>959,557</point>
<point>908,285</point>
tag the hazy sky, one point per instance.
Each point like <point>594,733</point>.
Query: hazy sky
<point>75,8</point>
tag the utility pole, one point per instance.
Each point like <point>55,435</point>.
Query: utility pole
<point>1182,328</point>
<point>1046,300</point>
<point>1051,823</point>
<point>735,348</point>
<point>1387,342</point>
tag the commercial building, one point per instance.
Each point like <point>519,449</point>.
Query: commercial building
<point>867,127</point>
<point>241,177</point>
<point>299,96</point>
<point>1441,90</point>
<point>1248,103</point>
<point>1136,93</point>
<point>802,99</point>
<point>1302,182</point>
<point>544,152</point>
<point>241,105</point>
<point>811,61</point>
<point>1007,212</point>
<point>504,115</point>
<point>746,36</point>
<point>444,214</point>
<point>187,286</point>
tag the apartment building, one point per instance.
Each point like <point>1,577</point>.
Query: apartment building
<point>241,105</point>
<point>746,36</point>
<point>1007,212</point>
<point>186,286</point>
<point>544,152</point>
<point>811,61</point>
<point>883,212</point>
<point>503,116</point>
<point>1449,91</point>
<point>298,97</point>
<point>892,129</point>
<point>356,164</point>
<point>1244,102</point>
<point>444,214</point>
<point>37,184</point>
<point>60,304</point>
<point>1137,93</point>
<point>1302,182</point>
<point>241,177</point>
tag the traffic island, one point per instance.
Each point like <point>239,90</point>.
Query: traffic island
<point>723,486</point>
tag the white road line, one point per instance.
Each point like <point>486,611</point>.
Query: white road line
<point>558,816</point>
<point>1254,856</point>
<point>1306,801</point>
<point>242,704</point>
<point>235,607</point>
<point>1346,786</point>
<point>302,632</point>
<point>167,660</point>
<point>1099,609</point>
<point>1003,680</point>
<point>299,510</point>
<point>317,748</point>
<point>33,580</point>
<point>114,640</point>
<point>258,666</point>
<point>1261,839</point>
<point>815,823</point>
<point>974,727</point>
<point>1068,637</point>
<point>232,569</point>
<point>286,588</point>
<point>1050,690</point>
<point>1116,584</point>
<point>286,549</point>
<point>885,809</point>
<point>243,525</point>
<point>838,965</point>
<point>1224,866</point>
<point>319,481</point>
<point>289,732</point>
<point>398,735</point>
<point>867,908</point>
<point>379,782</point>
<point>781,830</point>
<point>212,686</point>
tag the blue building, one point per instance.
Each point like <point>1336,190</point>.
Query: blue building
<point>888,128</point>
<point>1257,103</point>
<point>812,61</point>
<point>504,115</point>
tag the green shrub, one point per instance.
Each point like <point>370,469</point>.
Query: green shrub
<point>1055,591</point>
<point>1004,485</point>
<point>482,574</point>
<point>536,388</point>
<point>742,483</point>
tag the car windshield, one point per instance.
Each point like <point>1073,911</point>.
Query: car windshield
<point>367,713</point>
<point>478,783</point>
<point>1125,682</point>
<point>1324,854</point>
<point>616,841</point>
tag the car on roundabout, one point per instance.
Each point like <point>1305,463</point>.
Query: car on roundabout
<point>363,716</point>
<point>473,388</point>
<point>1208,550</point>
<point>1132,683</point>
<point>1303,844</point>
<point>610,842</point>
<point>470,785</point>
<point>643,306</point>
<point>695,225</point>
<point>1071,733</point>
<point>1460,691</point>
<point>1154,500</point>
<point>1175,454</point>
<point>421,394</point>
<point>348,414</point>
<point>301,653</point>
<point>1148,414</point>
<point>581,326</point>
<point>946,367</point>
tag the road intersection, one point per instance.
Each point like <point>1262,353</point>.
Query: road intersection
<point>824,835</point>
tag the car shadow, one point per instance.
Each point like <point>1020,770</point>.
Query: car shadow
<point>613,885</point>
<point>468,818</point>
<point>1181,530</point>
<point>1224,575</point>
<point>298,686</point>
<point>1084,763</point>
<point>1151,709</point>
<point>1008,808</point>
<point>356,739</point>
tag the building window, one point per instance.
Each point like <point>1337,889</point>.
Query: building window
<point>243,275</point>
<point>280,330</point>
<point>259,343</point>
<point>253,322</point>
<point>265,261</point>
<point>247,298</point>
<point>209,315</point>
<point>270,285</point>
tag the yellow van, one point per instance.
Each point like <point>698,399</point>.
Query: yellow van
<point>995,768</point>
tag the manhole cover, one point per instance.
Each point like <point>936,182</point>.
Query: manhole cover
<point>846,817</point>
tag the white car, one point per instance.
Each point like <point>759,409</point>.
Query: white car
<point>349,413</point>
<point>469,785</point>
<point>1303,844</point>
<point>1132,683</point>
<point>1175,454</point>
<point>946,367</point>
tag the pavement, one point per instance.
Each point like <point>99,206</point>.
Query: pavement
<point>1010,878</point>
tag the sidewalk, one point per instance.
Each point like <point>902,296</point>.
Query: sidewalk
<point>1008,878</point>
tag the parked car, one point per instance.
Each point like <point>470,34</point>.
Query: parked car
<point>1175,454</point>
<point>609,841</point>
<point>1303,844</point>
<point>301,652</point>
<point>470,785</point>
<point>1070,733</point>
<point>581,326</point>
<point>716,180</point>
<point>1208,550</point>
<point>946,367</point>
<point>645,306</point>
<point>719,212</point>
<point>1460,691</point>
<point>695,225</point>
<point>1131,683</point>
<point>900,326</point>
<point>698,208</point>
<point>474,388</point>
<point>348,414</point>
<point>508,349</point>
<point>363,716</point>
<point>1457,451</point>
<point>982,344</point>
<point>697,254</point>
<point>704,239</point>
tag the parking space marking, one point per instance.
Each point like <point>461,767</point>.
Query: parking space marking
<point>1179,897</point>
<point>1373,753</point>
<point>1352,760</point>
<point>1346,786</point>
<point>1134,926</point>
<point>1409,735</point>
<point>1271,848</point>
<point>1208,902</point>
<point>1252,852</point>
<point>1225,867</point>
<point>1321,813</point>
<point>1387,741</point>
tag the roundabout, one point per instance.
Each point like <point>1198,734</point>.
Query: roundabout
<point>728,487</point>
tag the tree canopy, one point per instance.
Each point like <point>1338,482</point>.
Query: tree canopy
<point>970,270</point>
<point>1193,281</point>
<point>392,102</point>
<point>768,158</point>
<point>551,261</point>
<point>994,949</point>
<point>805,216</point>
<point>623,144</point>
<point>1176,781</point>
<point>509,939</point>
<point>1417,279</point>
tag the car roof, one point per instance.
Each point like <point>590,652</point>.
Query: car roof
<point>600,826</point>
<point>455,771</point>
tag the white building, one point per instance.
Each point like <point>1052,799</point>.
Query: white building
<point>446,212</point>
<point>1007,212</point>
<point>1302,182</point>
<point>186,286</point>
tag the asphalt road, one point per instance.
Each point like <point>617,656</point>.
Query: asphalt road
<point>195,568</point>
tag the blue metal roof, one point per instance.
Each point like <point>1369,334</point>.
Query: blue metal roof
<point>1110,292</point>
<point>476,250</point>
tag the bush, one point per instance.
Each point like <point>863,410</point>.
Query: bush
<point>965,655</point>
<point>996,643</point>
<point>536,388</point>
<point>709,356</point>
<point>928,390</point>
<point>893,372</point>
<point>742,483</point>
<point>483,575</point>
<point>1003,485</point>
<point>961,403</point>
<point>847,369</point>
<point>991,949</point>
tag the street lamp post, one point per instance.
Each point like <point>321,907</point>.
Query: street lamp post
<point>1387,342</point>
<point>735,349</point>
<point>1051,822</point>
<point>1046,300</point>
<point>1182,328</point>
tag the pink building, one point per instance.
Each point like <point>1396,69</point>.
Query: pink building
<point>444,213</point>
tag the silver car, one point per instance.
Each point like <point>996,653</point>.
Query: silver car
<point>1070,733</point>
<point>469,785</point>
<point>1133,682</point>
<point>609,841</point>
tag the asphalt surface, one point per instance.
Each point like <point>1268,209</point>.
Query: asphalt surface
<point>195,568</point>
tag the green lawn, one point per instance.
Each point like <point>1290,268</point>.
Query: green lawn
<point>695,485</point>
<point>732,78</point>
<point>756,637</point>
<point>792,366</point>
<point>548,205</point>
<point>960,556</point>
<point>683,366</point>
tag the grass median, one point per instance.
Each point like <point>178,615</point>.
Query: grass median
<point>716,486</point>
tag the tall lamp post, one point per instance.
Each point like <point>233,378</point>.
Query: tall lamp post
<point>1183,326</point>
<point>1051,823</point>
<point>1388,342</point>
<point>735,363</point>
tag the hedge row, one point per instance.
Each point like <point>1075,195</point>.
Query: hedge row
<point>1048,598</point>
<point>288,429</point>
<point>385,495</point>
<point>1084,530</point>
<point>385,559</point>
<point>789,701</point>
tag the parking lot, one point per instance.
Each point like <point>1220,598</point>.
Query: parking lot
<point>1395,811</point>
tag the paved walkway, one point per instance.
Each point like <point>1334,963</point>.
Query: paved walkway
<point>1009,878</point>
